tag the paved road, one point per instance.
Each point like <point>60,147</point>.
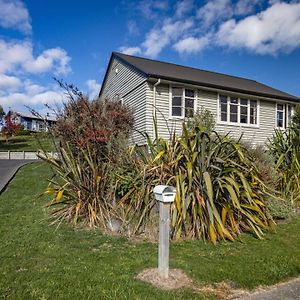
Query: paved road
<point>8,168</point>
<point>284,291</point>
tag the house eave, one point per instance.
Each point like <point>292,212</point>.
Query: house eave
<point>220,88</point>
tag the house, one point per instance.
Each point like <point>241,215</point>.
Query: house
<point>173,93</point>
<point>32,122</point>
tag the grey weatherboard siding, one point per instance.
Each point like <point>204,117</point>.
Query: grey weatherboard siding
<point>132,79</point>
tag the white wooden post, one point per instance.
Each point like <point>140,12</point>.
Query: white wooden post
<point>165,195</point>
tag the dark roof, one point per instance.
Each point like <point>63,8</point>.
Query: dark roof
<point>164,70</point>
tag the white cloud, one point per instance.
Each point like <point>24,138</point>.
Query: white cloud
<point>277,29</point>
<point>191,44</point>
<point>215,11</point>
<point>19,56</point>
<point>93,88</point>
<point>20,99</point>
<point>151,8</point>
<point>130,50</point>
<point>245,7</point>
<point>132,27</point>
<point>14,14</point>
<point>183,7</point>
<point>159,38</point>
<point>9,83</point>
<point>55,59</point>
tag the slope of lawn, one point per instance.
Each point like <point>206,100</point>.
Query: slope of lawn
<point>38,261</point>
<point>26,143</point>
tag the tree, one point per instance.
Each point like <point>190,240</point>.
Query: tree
<point>2,113</point>
<point>10,128</point>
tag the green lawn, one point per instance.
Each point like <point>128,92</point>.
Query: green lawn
<point>39,262</point>
<point>26,143</point>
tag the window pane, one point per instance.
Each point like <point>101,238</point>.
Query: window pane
<point>244,114</point>
<point>289,116</point>
<point>224,108</point>
<point>176,111</point>
<point>233,117</point>
<point>189,103</point>
<point>189,113</point>
<point>280,107</point>
<point>279,119</point>
<point>244,102</point>
<point>177,91</point>
<point>233,100</point>
<point>253,103</point>
<point>223,99</point>
<point>233,109</point>
<point>244,110</point>
<point>189,93</point>
<point>224,116</point>
<point>253,117</point>
<point>243,119</point>
<point>176,101</point>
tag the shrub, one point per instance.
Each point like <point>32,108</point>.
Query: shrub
<point>219,191</point>
<point>284,146</point>
<point>279,208</point>
<point>91,138</point>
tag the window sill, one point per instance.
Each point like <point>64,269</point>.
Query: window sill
<point>176,118</point>
<point>238,124</point>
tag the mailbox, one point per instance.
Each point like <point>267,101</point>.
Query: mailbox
<point>164,193</point>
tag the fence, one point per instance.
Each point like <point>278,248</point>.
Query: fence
<point>21,154</point>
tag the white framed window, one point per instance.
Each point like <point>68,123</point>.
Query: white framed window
<point>284,114</point>
<point>280,115</point>
<point>182,102</point>
<point>238,111</point>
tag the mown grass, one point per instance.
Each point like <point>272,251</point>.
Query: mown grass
<point>39,262</point>
<point>26,143</point>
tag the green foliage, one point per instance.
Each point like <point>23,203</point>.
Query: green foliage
<point>296,116</point>
<point>285,148</point>
<point>279,208</point>
<point>202,119</point>
<point>219,191</point>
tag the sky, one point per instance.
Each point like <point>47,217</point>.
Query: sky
<point>72,40</point>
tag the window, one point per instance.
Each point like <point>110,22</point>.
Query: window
<point>284,114</point>
<point>183,102</point>
<point>238,110</point>
<point>280,115</point>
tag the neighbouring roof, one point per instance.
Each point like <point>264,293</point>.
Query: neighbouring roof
<point>32,116</point>
<point>164,70</point>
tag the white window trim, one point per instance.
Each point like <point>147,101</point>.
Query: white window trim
<point>285,114</point>
<point>182,117</point>
<point>238,124</point>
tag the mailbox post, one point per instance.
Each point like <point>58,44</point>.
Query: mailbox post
<point>165,195</point>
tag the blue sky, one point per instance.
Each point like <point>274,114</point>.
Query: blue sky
<point>73,40</point>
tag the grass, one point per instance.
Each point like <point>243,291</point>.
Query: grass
<point>26,143</point>
<point>39,262</point>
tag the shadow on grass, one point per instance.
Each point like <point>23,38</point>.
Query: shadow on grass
<point>12,146</point>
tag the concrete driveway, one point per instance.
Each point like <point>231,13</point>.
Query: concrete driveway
<point>8,168</point>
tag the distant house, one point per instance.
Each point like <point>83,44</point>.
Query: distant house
<point>174,92</point>
<point>32,122</point>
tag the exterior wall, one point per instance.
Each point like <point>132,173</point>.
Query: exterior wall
<point>208,100</point>
<point>130,86</point>
<point>136,100</point>
<point>118,84</point>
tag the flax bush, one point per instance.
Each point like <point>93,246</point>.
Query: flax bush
<point>220,194</point>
